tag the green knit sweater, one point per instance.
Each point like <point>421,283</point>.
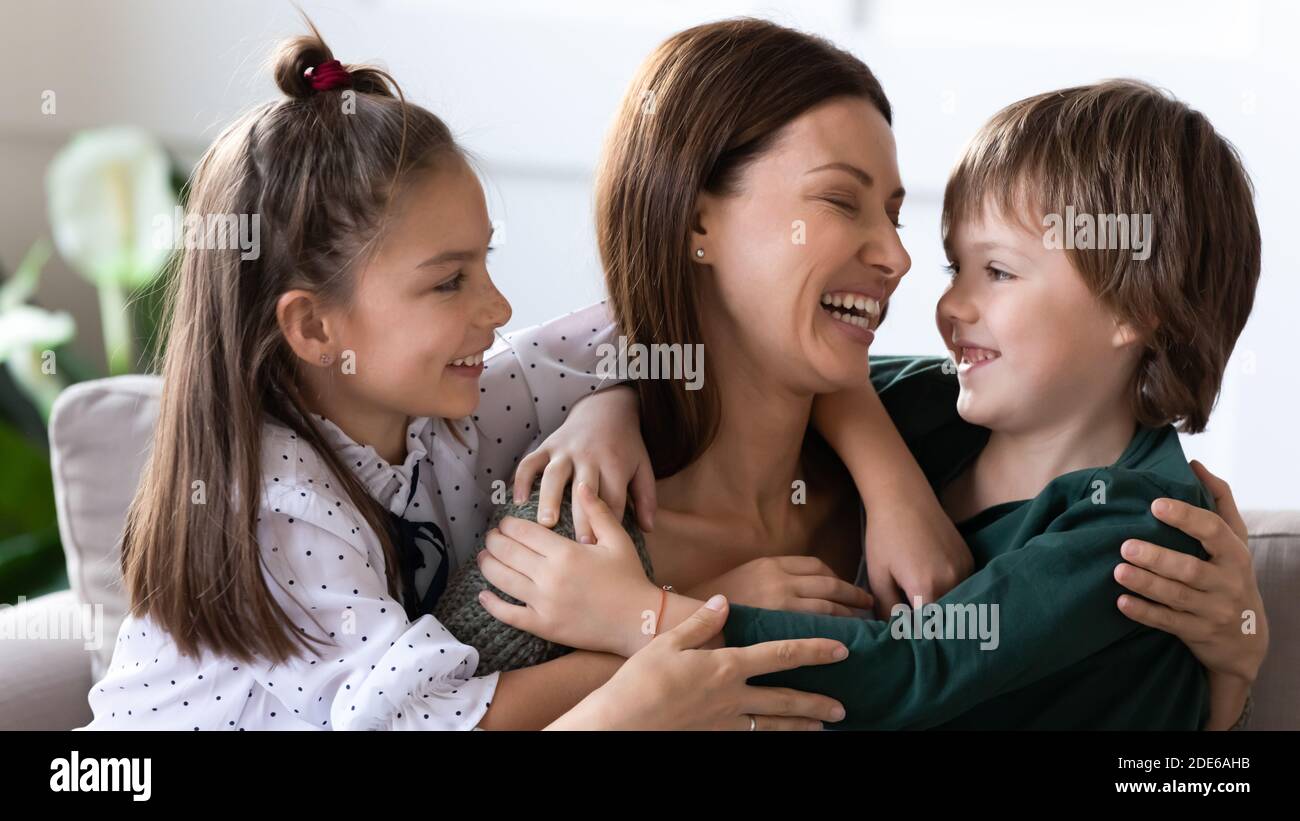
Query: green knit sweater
<point>500,646</point>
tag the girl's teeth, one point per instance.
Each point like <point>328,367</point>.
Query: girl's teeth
<point>468,361</point>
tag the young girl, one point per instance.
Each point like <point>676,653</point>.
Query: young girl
<point>308,492</point>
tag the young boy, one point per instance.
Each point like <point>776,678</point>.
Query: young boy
<point>1104,254</point>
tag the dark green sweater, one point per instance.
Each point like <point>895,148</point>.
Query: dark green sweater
<point>1064,655</point>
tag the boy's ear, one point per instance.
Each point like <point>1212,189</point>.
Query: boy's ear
<point>1129,333</point>
<point>305,326</point>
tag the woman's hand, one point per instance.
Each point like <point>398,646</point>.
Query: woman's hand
<point>592,597</point>
<point>599,444</point>
<point>912,548</point>
<point>1214,606</point>
<point>670,685</point>
<point>802,584</point>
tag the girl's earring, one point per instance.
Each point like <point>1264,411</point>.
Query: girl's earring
<point>699,253</point>
<point>326,359</point>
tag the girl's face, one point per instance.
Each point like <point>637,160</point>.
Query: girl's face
<point>424,310</point>
<point>805,255</point>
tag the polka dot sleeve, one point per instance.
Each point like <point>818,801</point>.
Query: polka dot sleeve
<point>529,386</point>
<point>375,670</point>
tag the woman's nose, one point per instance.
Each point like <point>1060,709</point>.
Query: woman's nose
<point>885,253</point>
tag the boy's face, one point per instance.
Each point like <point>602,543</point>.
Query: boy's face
<point>1034,347</point>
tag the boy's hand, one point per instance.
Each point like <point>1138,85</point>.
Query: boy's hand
<point>599,444</point>
<point>591,597</point>
<point>913,549</point>
<point>802,584</point>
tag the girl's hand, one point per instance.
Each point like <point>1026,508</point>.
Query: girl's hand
<point>599,444</point>
<point>1214,606</point>
<point>801,584</point>
<point>670,685</point>
<point>592,597</point>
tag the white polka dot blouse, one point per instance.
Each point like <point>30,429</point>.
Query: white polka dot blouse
<point>326,569</point>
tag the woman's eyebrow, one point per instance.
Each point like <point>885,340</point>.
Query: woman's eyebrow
<point>863,177</point>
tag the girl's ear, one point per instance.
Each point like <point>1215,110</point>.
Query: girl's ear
<point>306,327</point>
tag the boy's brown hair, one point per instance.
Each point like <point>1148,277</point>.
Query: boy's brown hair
<point>1123,147</point>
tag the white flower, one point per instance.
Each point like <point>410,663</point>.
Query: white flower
<point>105,189</point>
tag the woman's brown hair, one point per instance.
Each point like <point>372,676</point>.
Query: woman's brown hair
<point>320,170</point>
<point>704,105</point>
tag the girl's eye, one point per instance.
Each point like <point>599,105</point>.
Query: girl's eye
<point>894,219</point>
<point>452,284</point>
<point>951,269</point>
<point>999,275</point>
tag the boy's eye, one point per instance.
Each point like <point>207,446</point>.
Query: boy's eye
<point>999,275</point>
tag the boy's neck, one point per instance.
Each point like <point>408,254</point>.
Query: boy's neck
<point>1017,465</point>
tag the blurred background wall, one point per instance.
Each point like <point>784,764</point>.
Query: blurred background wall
<point>530,87</point>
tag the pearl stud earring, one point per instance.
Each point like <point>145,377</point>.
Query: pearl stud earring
<point>325,359</point>
<point>699,253</point>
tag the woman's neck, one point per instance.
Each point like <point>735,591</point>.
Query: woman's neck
<point>749,468</point>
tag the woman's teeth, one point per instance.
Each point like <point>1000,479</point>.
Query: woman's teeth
<point>469,361</point>
<point>855,309</point>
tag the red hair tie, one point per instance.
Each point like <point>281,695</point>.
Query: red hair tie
<point>327,75</point>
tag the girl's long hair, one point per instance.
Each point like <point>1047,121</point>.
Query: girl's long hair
<point>320,170</point>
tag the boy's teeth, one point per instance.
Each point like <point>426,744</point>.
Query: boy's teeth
<point>973,355</point>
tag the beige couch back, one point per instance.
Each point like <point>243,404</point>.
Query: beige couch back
<point>100,433</point>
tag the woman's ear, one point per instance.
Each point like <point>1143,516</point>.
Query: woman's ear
<point>306,327</point>
<point>705,206</point>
